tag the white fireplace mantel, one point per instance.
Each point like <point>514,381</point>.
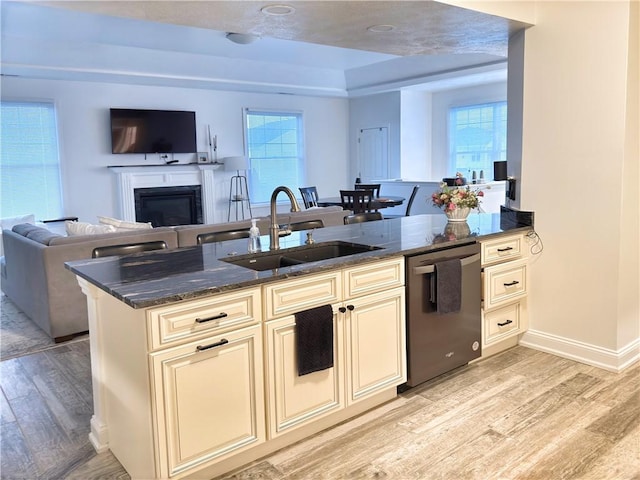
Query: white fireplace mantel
<point>130,178</point>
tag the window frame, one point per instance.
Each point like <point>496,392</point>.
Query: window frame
<point>54,209</point>
<point>300,142</point>
<point>452,167</point>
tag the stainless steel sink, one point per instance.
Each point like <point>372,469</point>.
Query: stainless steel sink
<point>299,255</point>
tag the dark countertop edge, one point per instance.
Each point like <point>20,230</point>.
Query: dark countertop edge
<point>294,271</point>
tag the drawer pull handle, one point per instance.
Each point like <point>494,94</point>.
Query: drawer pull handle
<point>201,348</point>
<point>511,284</point>
<point>208,319</point>
<point>506,249</point>
<point>342,309</point>
<point>505,323</point>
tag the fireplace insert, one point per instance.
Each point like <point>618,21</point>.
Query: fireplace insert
<point>166,206</point>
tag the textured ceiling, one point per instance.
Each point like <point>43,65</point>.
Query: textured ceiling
<point>421,27</point>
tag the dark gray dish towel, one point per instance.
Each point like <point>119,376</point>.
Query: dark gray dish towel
<point>314,339</point>
<point>448,286</point>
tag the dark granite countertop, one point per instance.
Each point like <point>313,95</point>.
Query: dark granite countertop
<point>165,276</point>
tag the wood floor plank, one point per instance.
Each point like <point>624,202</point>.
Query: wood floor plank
<point>522,414</point>
<point>16,461</point>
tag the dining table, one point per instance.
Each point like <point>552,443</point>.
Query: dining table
<point>376,202</point>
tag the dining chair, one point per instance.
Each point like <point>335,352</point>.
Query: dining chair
<point>306,225</point>
<point>369,186</point>
<point>362,217</point>
<point>126,249</point>
<point>357,200</point>
<point>309,196</point>
<point>412,197</point>
<point>213,237</point>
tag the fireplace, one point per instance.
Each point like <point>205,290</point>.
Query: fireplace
<point>166,206</point>
<point>132,178</point>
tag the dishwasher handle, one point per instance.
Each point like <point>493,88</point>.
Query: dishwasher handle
<point>431,268</point>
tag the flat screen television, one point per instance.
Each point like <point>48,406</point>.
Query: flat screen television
<point>152,131</point>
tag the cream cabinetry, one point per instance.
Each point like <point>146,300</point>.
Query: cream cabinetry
<point>198,381</point>
<point>219,369</point>
<point>376,352</point>
<point>504,292</point>
<point>369,342</point>
<point>296,400</point>
<point>196,388</point>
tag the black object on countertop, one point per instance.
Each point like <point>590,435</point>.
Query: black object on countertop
<point>314,339</point>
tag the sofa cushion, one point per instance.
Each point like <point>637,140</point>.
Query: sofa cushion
<point>24,228</point>
<point>124,225</point>
<point>127,236</point>
<point>42,235</point>
<point>83,228</point>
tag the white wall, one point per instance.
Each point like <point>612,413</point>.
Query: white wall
<point>379,110</point>
<point>580,175</point>
<point>441,103</point>
<point>83,117</point>
<point>416,135</point>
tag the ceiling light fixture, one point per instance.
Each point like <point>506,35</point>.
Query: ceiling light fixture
<point>381,28</point>
<point>241,38</point>
<point>278,10</point>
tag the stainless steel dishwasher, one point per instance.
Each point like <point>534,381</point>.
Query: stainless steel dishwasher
<point>439,342</point>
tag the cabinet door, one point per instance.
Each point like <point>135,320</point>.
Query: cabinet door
<point>295,400</point>
<point>210,399</point>
<point>376,357</point>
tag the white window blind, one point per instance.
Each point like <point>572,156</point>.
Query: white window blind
<point>275,148</point>
<point>29,161</point>
<point>477,138</point>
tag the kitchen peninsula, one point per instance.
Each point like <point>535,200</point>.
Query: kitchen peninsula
<point>193,357</point>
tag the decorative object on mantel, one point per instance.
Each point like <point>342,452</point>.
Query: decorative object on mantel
<point>213,147</point>
<point>238,189</point>
<point>457,202</point>
<point>203,157</point>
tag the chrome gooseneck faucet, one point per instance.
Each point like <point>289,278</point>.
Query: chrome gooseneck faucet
<point>274,230</point>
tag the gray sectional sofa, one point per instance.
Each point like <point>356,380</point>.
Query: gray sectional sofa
<point>35,279</point>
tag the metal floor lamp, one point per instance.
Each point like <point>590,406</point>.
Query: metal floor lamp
<point>238,189</point>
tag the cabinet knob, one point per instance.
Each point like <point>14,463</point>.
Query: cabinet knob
<point>342,310</point>
<point>350,307</point>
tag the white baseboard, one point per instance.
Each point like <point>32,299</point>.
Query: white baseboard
<point>607,359</point>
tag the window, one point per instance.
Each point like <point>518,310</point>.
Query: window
<point>477,138</point>
<point>29,163</point>
<point>275,148</point>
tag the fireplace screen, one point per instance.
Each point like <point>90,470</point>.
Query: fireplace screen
<point>166,206</point>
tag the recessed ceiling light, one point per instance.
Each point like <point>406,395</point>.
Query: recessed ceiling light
<point>278,10</point>
<point>381,28</point>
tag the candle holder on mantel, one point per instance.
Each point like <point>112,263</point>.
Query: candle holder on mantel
<point>238,189</point>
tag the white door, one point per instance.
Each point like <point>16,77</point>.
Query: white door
<point>373,153</point>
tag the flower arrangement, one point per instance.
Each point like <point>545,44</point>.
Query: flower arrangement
<point>452,198</point>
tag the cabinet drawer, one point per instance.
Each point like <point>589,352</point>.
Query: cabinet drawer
<point>376,277</point>
<point>505,283</point>
<point>198,318</point>
<point>291,296</point>
<point>502,322</point>
<point>502,249</point>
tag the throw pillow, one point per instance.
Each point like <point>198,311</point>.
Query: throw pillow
<point>8,223</point>
<point>82,228</point>
<point>124,225</point>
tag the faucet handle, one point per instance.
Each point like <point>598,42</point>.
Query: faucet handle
<point>310,239</point>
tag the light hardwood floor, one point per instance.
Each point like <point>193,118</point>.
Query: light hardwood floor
<point>522,414</point>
